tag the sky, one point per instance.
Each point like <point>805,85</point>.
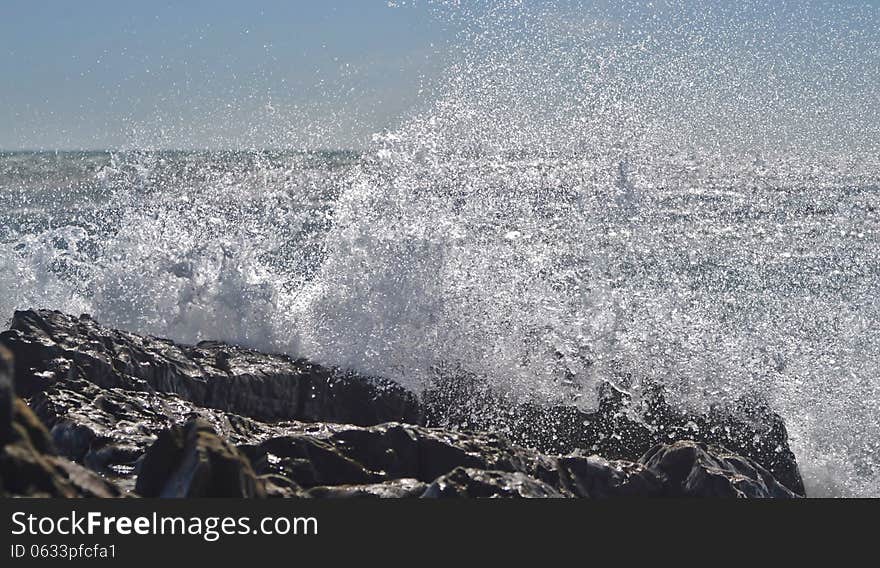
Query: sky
<point>109,74</point>
<point>101,74</point>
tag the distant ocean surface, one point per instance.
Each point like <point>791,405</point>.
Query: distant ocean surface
<point>720,276</point>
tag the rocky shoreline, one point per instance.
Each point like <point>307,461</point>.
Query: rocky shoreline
<point>89,411</point>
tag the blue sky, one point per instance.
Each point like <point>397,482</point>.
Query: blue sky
<point>100,74</point>
<point>297,73</point>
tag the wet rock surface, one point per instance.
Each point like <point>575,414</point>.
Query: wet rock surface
<point>52,349</point>
<point>7,395</point>
<point>192,461</point>
<point>692,469</point>
<point>621,428</point>
<point>466,482</point>
<point>598,478</point>
<point>334,455</point>
<point>395,489</point>
<point>109,430</point>
<point>110,413</point>
<point>28,464</point>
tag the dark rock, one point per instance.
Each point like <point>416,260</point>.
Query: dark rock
<point>28,467</point>
<point>7,395</point>
<point>192,461</point>
<point>216,420</point>
<point>27,427</point>
<point>752,430</point>
<point>110,429</point>
<point>405,488</point>
<point>599,478</point>
<point>53,348</point>
<point>334,454</point>
<point>693,469</point>
<point>465,482</point>
<point>622,427</point>
<point>309,462</point>
<point>279,487</point>
<point>85,482</point>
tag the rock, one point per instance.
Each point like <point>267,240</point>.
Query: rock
<point>85,482</point>
<point>28,428</point>
<point>215,420</point>
<point>334,454</point>
<point>466,482</point>
<point>598,478</point>
<point>693,469</point>
<point>621,427</point>
<point>192,461</point>
<point>28,467</point>
<point>310,462</point>
<point>279,487</point>
<point>7,395</point>
<point>405,488</point>
<point>53,348</point>
<point>752,430</point>
<point>109,430</point>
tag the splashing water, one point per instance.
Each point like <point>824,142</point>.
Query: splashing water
<point>686,196</point>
